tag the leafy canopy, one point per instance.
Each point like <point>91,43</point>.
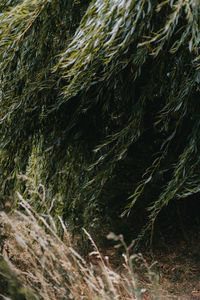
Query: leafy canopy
<point>84,83</point>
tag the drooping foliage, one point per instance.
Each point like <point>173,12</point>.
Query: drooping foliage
<point>99,102</point>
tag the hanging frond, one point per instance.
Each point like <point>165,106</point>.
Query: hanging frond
<point>99,102</point>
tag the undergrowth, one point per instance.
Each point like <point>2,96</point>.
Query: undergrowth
<point>37,264</point>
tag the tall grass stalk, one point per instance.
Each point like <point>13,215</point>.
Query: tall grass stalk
<point>48,267</point>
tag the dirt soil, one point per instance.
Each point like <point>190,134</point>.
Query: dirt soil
<point>179,268</point>
<point>174,268</point>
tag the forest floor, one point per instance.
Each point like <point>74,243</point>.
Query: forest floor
<point>175,268</point>
<point>179,269</point>
<point>42,261</point>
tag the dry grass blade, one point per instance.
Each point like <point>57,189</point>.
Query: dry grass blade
<point>53,269</point>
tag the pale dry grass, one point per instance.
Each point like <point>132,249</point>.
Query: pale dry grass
<point>53,270</point>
